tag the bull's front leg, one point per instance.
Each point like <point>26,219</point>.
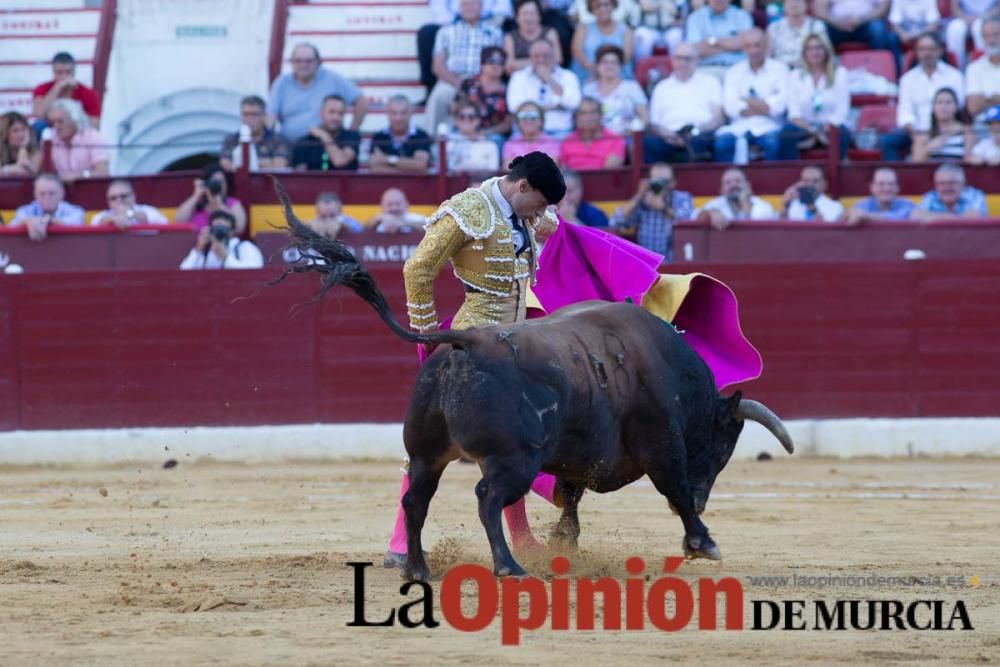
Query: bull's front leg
<point>567,530</point>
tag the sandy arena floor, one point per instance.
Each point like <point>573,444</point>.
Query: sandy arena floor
<point>244,565</point>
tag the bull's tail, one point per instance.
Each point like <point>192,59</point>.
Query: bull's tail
<point>336,265</point>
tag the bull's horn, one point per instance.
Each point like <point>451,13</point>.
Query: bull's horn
<point>760,413</point>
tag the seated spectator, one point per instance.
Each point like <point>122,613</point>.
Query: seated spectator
<point>297,98</point>
<point>555,89</point>
<point>572,207</point>
<point>968,16</point>
<point>529,137</point>
<point>123,211</point>
<point>951,198</point>
<point>715,29</point>
<point>885,202</point>
<point>65,86</point>
<point>49,207</point>
<point>625,11</point>
<point>807,200</point>
<point>650,215</point>
<point>987,151</point>
<point>77,149</point>
<point>737,202</point>
<point>591,145</point>
<point>211,193</point>
<point>788,34</point>
<point>818,97</point>
<point>859,21</point>
<point>754,95</point>
<point>444,13</point>
<point>683,132</point>
<point>982,76</point>
<point>328,145</point>
<point>458,49</point>
<point>400,147</point>
<point>267,149</point>
<point>394,217</point>
<point>950,136</point>
<point>623,104</point>
<point>489,93</point>
<point>219,247</point>
<point>916,93</point>
<point>912,18</point>
<point>661,25</point>
<point>468,149</point>
<point>517,43</point>
<point>19,152</point>
<point>330,219</point>
<point>604,30</point>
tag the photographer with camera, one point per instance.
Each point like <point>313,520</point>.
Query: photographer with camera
<point>211,194</point>
<point>649,216</point>
<point>737,202</point>
<point>807,200</point>
<point>218,247</point>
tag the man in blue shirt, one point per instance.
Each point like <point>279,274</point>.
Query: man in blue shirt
<point>885,202</point>
<point>49,207</point>
<point>951,198</point>
<point>716,29</point>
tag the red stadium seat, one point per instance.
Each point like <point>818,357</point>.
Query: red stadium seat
<point>644,68</point>
<point>848,47</point>
<point>876,61</point>
<point>882,117</point>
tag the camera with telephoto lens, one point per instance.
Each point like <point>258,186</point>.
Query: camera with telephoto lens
<point>215,187</point>
<point>808,195</point>
<point>220,232</point>
<point>657,186</point>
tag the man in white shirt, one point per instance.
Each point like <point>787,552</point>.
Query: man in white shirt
<point>736,203</point>
<point>982,76</point>
<point>684,111</point>
<point>446,12</point>
<point>218,247</point>
<point>123,211</point>
<point>807,200</point>
<point>916,95</point>
<point>555,89</point>
<point>754,96</point>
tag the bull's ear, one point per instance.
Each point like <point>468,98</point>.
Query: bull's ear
<point>733,404</point>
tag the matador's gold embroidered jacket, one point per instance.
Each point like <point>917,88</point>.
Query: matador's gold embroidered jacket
<point>470,230</point>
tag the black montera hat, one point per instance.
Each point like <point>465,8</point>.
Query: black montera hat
<point>542,173</point>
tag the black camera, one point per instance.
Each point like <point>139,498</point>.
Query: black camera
<point>215,187</point>
<point>221,232</point>
<point>657,186</point>
<point>808,195</point>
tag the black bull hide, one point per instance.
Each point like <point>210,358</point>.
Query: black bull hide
<point>597,394</point>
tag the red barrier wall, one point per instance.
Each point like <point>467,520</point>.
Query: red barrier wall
<point>159,348</point>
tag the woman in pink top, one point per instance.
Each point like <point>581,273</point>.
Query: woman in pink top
<point>530,120</point>
<point>77,149</point>
<point>591,146</point>
<point>211,193</point>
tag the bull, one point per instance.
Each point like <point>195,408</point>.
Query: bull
<point>596,393</point>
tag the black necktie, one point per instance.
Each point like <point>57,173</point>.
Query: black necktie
<point>516,223</point>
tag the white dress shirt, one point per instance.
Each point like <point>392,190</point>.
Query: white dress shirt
<point>830,210</point>
<point>526,86</point>
<point>982,77</point>
<point>759,209</point>
<point>241,255</point>
<point>769,83</point>
<point>917,90</point>
<point>701,95</point>
<point>819,104</point>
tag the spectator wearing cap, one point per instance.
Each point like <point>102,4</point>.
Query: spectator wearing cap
<point>555,89</point>
<point>987,150</point>
<point>884,202</point>
<point>78,150</point>
<point>951,198</point>
<point>268,150</point>
<point>623,104</point>
<point>400,147</point>
<point>488,93</point>
<point>530,119</point>
<point>591,145</point>
<point>49,207</point>
<point>64,85</point>
<point>123,211</point>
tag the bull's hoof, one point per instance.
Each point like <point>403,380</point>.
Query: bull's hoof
<point>512,570</point>
<point>394,559</point>
<point>701,547</point>
<point>417,573</point>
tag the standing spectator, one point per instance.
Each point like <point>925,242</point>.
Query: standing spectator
<point>394,216</point>
<point>987,151</point>
<point>400,147</point>
<point>19,152</point>
<point>604,30</point>
<point>267,149</point>
<point>807,200</point>
<point>530,137</point>
<point>219,247</point>
<point>49,207</point>
<point>885,202</point>
<point>754,97</point>
<point>458,49</point>
<point>296,98</point>
<point>737,202</point>
<point>650,215</point>
<point>950,136</point>
<point>859,21</point>
<point>623,103</point>
<point>330,218</point>
<point>968,16</point>
<point>916,93</point>
<point>951,198</point>
<point>679,132</point>
<point>555,89</point>
<point>982,76</point>
<point>211,193</point>
<point>591,146</point>
<point>912,18</point>
<point>517,43</point>
<point>661,24</point>
<point>467,148</point>
<point>818,97</point>
<point>572,207</point>
<point>123,211</point>
<point>444,13</point>
<point>489,93</point>
<point>788,34</point>
<point>328,145</point>
<point>65,86</point>
<point>77,149</point>
<point>716,30</point>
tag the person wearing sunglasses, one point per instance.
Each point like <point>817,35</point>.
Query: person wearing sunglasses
<point>530,119</point>
<point>123,211</point>
<point>488,93</point>
<point>467,148</point>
